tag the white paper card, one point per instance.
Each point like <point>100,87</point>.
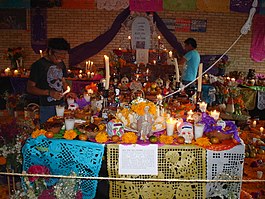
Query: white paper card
<point>138,159</point>
<point>142,56</point>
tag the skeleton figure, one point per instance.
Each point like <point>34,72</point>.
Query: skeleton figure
<point>185,130</point>
<point>54,79</point>
<point>144,123</point>
<point>124,83</point>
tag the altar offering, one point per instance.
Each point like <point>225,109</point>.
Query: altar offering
<point>60,110</point>
<point>115,127</point>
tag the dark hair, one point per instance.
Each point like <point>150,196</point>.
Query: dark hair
<point>191,41</point>
<point>58,44</point>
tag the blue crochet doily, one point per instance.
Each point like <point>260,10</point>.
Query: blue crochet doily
<point>65,156</point>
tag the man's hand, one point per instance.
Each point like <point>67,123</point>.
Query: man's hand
<point>56,95</point>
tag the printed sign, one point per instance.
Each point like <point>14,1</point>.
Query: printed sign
<point>141,33</point>
<point>198,25</point>
<point>183,25</point>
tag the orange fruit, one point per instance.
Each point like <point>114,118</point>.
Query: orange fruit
<point>83,137</point>
<point>49,134</point>
<point>180,140</point>
<point>214,140</point>
<point>115,138</point>
<point>153,139</point>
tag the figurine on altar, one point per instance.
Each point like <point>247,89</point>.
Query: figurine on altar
<point>144,123</point>
<point>166,90</point>
<point>185,130</point>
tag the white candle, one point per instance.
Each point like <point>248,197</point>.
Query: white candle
<point>107,71</point>
<point>233,79</point>
<point>176,69</point>
<point>80,76</point>
<point>203,106</point>
<point>15,72</point>
<point>92,74</point>
<point>170,54</point>
<point>91,65</point>
<point>147,71</point>
<point>88,74</point>
<point>215,114</point>
<point>261,129</point>
<point>86,65</point>
<point>228,78</point>
<point>154,62</point>
<point>41,55</point>
<point>190,114</point>
<point>80,71</point>
<point>119,48</point>
<point>68,89</point>
<point>130,41</point>
<point>137,77</point>
<point>254,123</point>
<point>87,97</point>
<point>200,78</point>
<point>170,126</point>
<point>17,64</point>
<point>7,71</point>
<point>159,97</point>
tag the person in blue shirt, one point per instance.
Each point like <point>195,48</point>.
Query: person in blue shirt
<point>190,61</point>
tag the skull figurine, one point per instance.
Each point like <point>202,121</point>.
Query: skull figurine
<point>160,82</point>
<point>124,81</point>
<point>185,130</point>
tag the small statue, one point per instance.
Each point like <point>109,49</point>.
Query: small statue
<point>144,124</point>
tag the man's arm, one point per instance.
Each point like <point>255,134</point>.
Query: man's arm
<point>32,89</point>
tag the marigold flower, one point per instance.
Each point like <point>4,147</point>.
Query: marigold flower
<point>203,142</point>
<point>129,138</point>
<point>37,133</point>
<point>102,137</point>
<point>70,134</point>
<point>165,139</point>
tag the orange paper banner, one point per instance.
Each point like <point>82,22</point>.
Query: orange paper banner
<point>214,5</point>
<point>78,4</point>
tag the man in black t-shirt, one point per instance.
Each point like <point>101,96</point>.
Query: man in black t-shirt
<point>47,78</point>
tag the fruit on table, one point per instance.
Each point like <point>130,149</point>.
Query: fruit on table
<point>215,140</point>
<point>153,139</point>
<point>252,154</point>
<point>49,134</point>
<point>115,138</point>
<point>180,140</point>
<point>83,137</point>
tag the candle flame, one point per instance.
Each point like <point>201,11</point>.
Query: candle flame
<point>67,90</point>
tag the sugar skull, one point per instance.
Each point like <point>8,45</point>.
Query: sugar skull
<point>54,79</point>
<point>124,81</point>
<point>185,130</point>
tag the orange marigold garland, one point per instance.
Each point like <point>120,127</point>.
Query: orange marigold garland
<point>129,138</point>
<point>203,142</point>
<point>165,139</point>
<point>70,134</point>
<point>102,137</point>
<point>138,106</point>
<point>37,133</point>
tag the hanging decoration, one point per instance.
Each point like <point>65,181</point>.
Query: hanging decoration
<point>112,5</point>
<point>257,49</point>
<point>38,20</point>
<point>78,4</point>
<point>240,5</point>
<point>146,6</point>
<point>180,5</point>
<point>213,5</point>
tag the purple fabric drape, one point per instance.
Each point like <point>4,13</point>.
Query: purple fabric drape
<point>168,35</point>
<point>88,49</point>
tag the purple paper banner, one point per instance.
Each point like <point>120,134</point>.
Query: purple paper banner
<point>38,29</point>
<point>146,6</point>
<point>240,5</point>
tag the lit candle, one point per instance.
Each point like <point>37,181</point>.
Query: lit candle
<point>159,97</point>
<point>91,65</point>
<point>130,41</point>
<point>119,48</point>
<point>233,79</point>
<point>176,69</point>
<point>200,78</point>
<point>215,114</point>
<point>80,71</point>
<point>171,123</point>
<point>80,76</point>
<point>261,129</point>
<point>137,77</point>
<point>147,71</point>
<point>228,78</point>
<point>254,123</point>
<point>170,54</point>
<point>69,71</point>
<point>67,90</point>
<point>203,106</point>
<point>154,62</point>
<point>41,55</point>
<point>7,71</point>
<point>86,65</point>
<point>190,113</point>
<point>90,91</point>
<point>107,71</point>
<point>87,97</point>
<point>15,72</point>
<point>88,74</point>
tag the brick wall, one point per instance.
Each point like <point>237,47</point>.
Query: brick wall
<point>78,26</point>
